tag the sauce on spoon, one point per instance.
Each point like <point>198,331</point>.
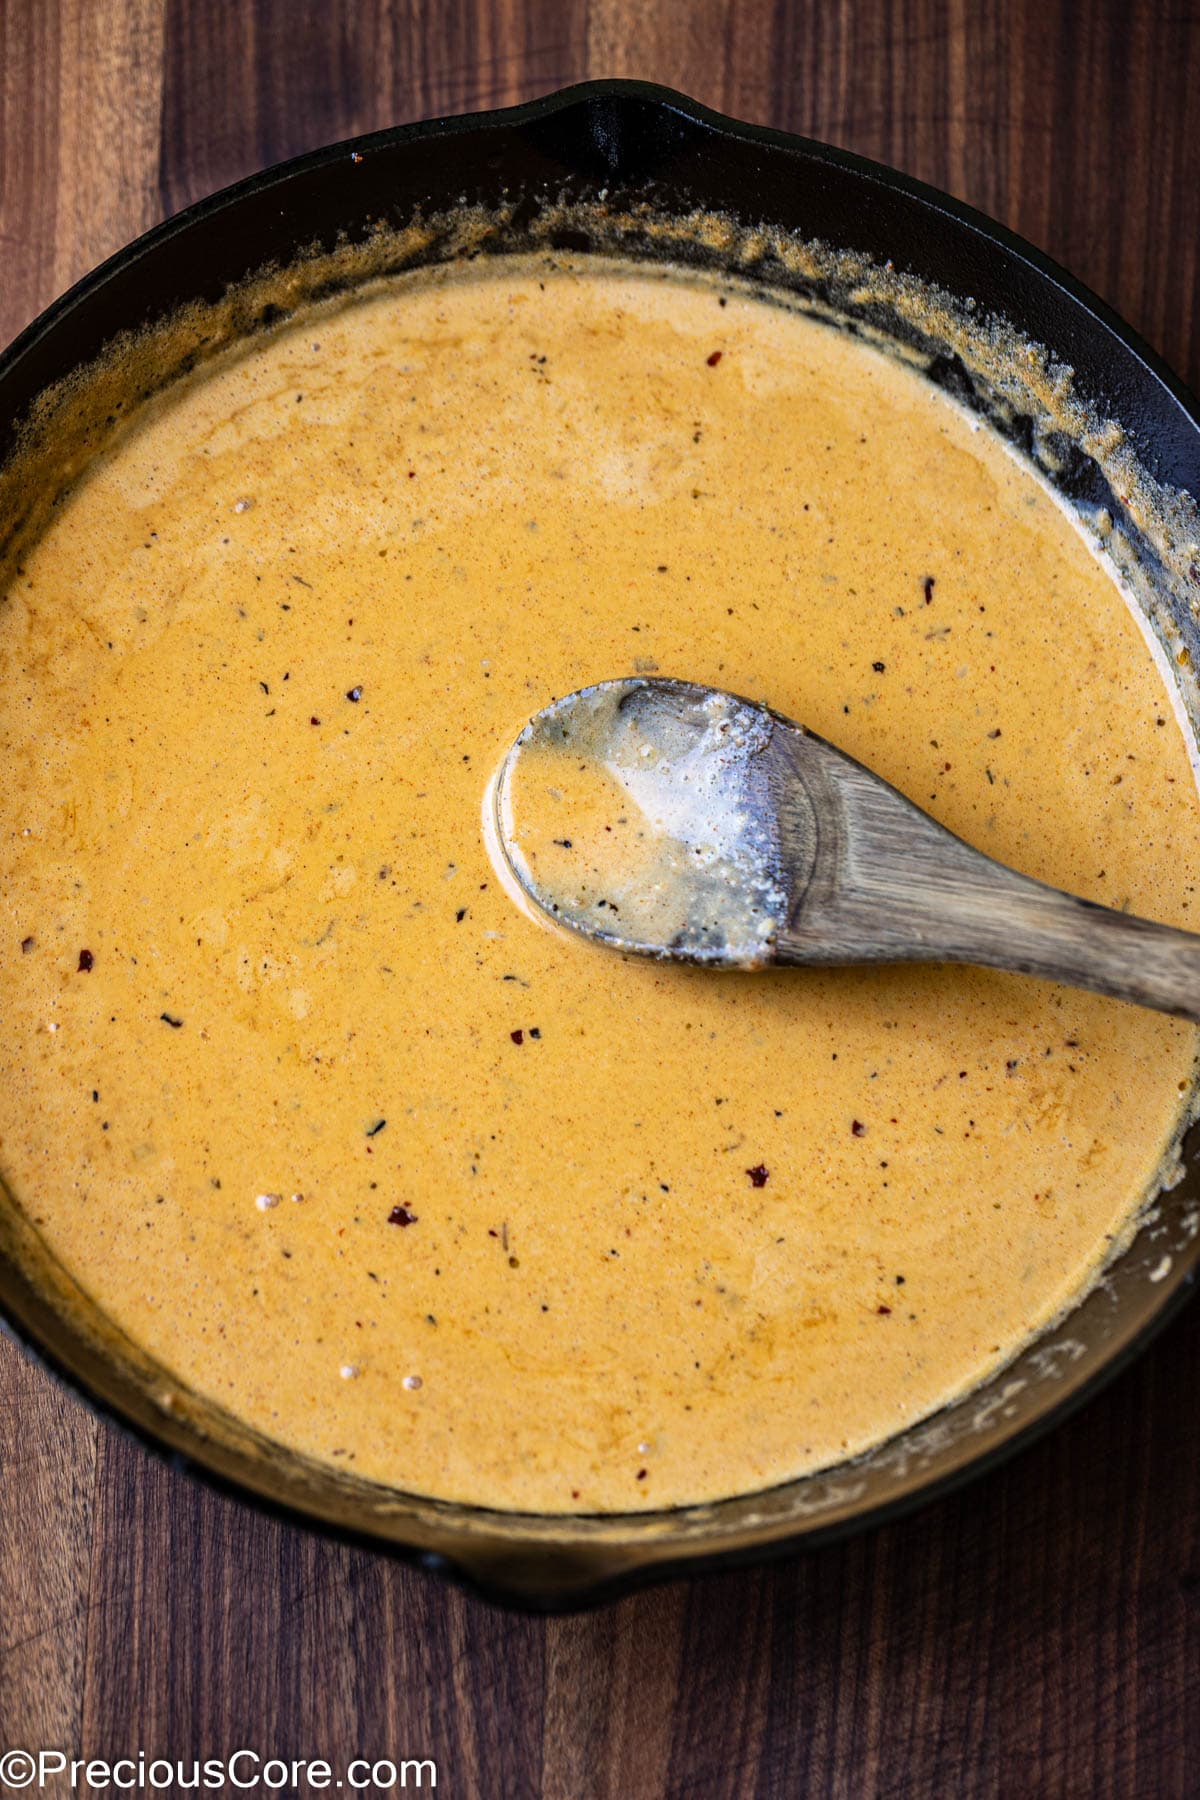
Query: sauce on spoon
<point>639,823</point>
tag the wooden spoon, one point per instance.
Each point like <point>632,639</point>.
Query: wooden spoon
<point>678,821</point>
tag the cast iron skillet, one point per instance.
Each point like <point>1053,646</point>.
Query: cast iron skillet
<point>629,140</point>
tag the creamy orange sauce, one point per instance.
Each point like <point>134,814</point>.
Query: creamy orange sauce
<point>375,1160</point>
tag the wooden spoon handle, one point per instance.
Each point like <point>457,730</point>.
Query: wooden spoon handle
<point>890,884</point>
<point>1037,930</point>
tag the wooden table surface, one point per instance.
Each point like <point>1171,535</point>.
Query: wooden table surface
<point>1035,1635</point>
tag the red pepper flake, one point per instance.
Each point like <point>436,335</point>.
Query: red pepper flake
<point>314,720</point>
<point>883,1309</point>
<point>400,1215</point>
<point>714,359</point>
<point>858,1128</point>
<point>758,1175</point>
<point>928,586</point>
<point>518,1037</point>
<point>642,1474</point>
<point>86,962</point>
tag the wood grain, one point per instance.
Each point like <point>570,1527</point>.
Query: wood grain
<point>1035,1635</point>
